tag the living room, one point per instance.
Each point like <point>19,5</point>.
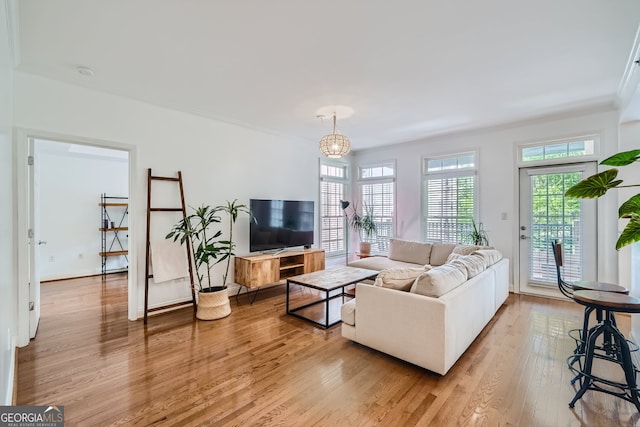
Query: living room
<point>222,161</point>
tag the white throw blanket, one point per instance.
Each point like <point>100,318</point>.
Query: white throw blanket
<point>169,260</point>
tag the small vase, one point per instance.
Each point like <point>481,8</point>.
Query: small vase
<point>365,248</point>
<point>213,305</point>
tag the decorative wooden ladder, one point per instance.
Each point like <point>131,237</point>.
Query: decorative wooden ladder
<point>147,275</point>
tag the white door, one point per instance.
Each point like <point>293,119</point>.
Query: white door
<point>545,215</point>
<point>34,240</point>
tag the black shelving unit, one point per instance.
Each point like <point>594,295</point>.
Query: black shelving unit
<point>114,230</point>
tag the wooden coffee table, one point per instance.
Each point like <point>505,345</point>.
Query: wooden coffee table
<point>328,281</point>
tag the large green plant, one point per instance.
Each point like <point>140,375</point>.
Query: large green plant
<point>597,185</point>
<point>201,230</point>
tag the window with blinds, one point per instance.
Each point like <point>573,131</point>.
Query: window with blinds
<point>377,193</point>
<point>449,198</point>
<point>333,185</point>
<point>555,216</point>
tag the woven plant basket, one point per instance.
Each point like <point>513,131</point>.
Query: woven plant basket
<point>213,305</point>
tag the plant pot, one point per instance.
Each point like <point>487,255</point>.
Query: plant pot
<point>213,304</point>
<point>365,248</point>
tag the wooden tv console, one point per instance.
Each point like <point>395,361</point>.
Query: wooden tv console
<point>253,271</point>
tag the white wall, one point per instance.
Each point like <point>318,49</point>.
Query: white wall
<point>219,161</point>
<point>630,255</point>
<point>70,185</point>
<point>497,177</point>
<point>8,281</point>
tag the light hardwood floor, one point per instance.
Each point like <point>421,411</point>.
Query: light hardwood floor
<point>261,367</point>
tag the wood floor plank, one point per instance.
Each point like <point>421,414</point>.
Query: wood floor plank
<point>259,366</point>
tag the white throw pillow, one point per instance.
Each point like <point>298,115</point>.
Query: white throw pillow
<point>439,280</point>
<point>400,279</point>
<point>473,264</point>
<point>491,256</point>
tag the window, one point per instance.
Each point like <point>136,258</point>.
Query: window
<point>449,194</point>
<point>377,189</point>
<point>558,150</point>
<point>333,185</point>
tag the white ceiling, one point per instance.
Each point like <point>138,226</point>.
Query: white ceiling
<point>408,69</point>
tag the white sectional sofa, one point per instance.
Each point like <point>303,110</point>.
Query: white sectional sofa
<point>429,315</point>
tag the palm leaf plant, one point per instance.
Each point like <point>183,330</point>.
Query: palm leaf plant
<point>201,230</point>
<point>597,185</point>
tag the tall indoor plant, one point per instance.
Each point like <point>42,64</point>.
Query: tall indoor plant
<point>202,231</point>
<point>364,224</point>
<point>597,185</point>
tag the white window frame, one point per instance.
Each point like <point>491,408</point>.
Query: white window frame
<point>447,174</point>
<point>379,243</point>
<point>560,160</point>
<point>346,191</point>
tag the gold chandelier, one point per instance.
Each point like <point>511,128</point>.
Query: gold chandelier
<point>334,145</point>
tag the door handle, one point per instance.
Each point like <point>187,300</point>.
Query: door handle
<point>523,237</point>
<point>42,242</point>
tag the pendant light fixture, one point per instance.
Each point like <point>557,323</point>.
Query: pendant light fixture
<point>334,145</point>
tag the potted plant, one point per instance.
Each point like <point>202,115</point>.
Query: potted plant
<point>202,232</point>
<point>478,236</point>
<point>364,225</point>
<point>597,185</point>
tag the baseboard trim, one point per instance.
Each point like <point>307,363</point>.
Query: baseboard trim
<point>82,277</point>
<point>14,399</point>
<point>12,384</point>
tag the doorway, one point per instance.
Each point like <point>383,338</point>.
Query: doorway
<point>545,215</point>
<point>62,182</point>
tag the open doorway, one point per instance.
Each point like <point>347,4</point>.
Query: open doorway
<point>81,188</point>
<point>61,213</point>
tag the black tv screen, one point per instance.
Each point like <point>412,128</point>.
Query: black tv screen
<point>280,224</point>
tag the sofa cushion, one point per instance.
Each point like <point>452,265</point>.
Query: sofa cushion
<point>440,252</point>
<point>348,312</point>
<point>379,263</point>
<point>409,251</point>
<point>439,280</point>
<point>473,264</point>
<point>400,279</point>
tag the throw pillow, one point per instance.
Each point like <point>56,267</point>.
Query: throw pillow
<point>491,256</point>
<point>439,280</point>
<point>400,279</point>
<point>409,251</point>
<point>452,256</point>
<point>473,264</point>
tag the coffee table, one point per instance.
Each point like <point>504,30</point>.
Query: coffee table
<point>327,281</point>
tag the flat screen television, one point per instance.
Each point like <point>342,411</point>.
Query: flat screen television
<point>280,224</point>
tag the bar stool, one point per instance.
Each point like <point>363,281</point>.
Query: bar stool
<point>619,352</point>
<point>568,288</point>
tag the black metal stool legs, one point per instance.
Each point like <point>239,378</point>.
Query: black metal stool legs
<point>617,351</point>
